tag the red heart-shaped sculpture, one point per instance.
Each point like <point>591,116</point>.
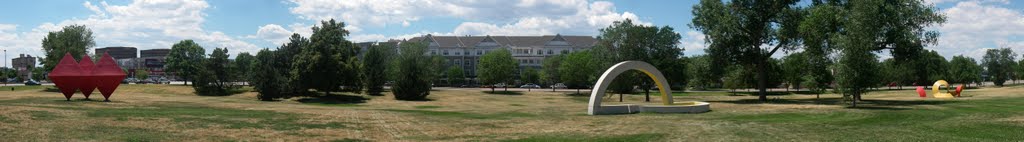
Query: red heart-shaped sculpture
<point>88,83</point>
<point>66,75</point>
<point>107,76</point>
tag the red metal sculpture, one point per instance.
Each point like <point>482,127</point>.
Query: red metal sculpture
<point>70,76</point>
<point>107,76</point>
<point>66,76</point>
<point>87,68</point>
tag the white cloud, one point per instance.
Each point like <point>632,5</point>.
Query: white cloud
<point>145,24</point>
<point>693,43</point>
<point>982,1</point>
<point>974,26</point>
<point>519,17</point>
<point>383,12</point>
<point>380,37</point>
<point>273,33</point>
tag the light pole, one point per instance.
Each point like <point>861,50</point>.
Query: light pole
<point>5,66</point>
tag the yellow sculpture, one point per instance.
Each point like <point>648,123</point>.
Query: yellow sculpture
<point>935,89</point>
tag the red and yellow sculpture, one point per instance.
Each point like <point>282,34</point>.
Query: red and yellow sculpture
<point>937,86</point>
<point>70,76</point>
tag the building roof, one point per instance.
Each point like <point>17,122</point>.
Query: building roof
<point>514,41</point>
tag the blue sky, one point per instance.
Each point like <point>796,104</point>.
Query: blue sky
<point>250,25</point>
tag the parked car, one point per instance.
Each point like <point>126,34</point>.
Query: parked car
<point>559,86</point>
<point>31,83</point>
<point>163,81</point>
<point>144,81</point>
<point>499,85</point>
<point>530,85</point>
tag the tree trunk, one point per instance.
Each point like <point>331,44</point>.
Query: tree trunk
<point>854,96</point>
<point>647,93</point>
<point>762,81</point>
<point>620,97</point>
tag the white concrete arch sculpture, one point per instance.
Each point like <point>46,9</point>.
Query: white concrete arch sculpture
<point>595,107</point>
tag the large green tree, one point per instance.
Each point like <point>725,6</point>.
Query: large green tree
<point>328,62</point>
<point>529,75</point>
<point>413,72</point>
<point>999,64</point>
<point>700,68</point>
<point>896,73</point>
<point>496,66</point>
<point>794,69</point>
<point>6,73</point>
<point>243,65</point>
<point>819,31</point>
<point>873,25</point>
<point>858,29</point>
<point>266,76</point>
<point>142,74</point>
<point>441,63</point>
<point>286,56</point>
<point>964,70</point>
<point>549,70</point>
<point>456,76</point>
<point>215,77</point>
<point>936,66</point>
<point>654,45</point>
<point>579,69</point>
<point>73,39</point>
<point>185,59</point>
<point>375,64</point>
<point>749,32</point>
<point>1020,69</point>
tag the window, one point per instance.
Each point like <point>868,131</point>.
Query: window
<point>540,52</point>
<point>565,51</point>
<point>479,52</point>
<point>433,52</point>
<point>445,52</point>
<point>549,52</point>
<point>457,53</point>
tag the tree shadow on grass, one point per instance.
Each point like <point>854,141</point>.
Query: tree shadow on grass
<point>863,104</point>
<point>504,92</point>
<point>756,93</point>
<point>906,102</point>
<point>50,89</point>
<point>580,94</point>
<point>784,101</point>
<point>333,100</point>
<point>878,108</point>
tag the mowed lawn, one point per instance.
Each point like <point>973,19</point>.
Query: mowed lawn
<point>172,113</point>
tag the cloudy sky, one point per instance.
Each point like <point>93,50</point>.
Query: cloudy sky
<point>250,25</point>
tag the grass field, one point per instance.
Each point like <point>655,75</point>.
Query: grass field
<point>172,113</point>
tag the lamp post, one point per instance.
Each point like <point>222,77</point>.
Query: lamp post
<point>5,66</point>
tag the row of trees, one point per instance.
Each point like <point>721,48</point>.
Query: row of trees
<point>213,74</point>
<point>749,32</point>
<point>327,62</point>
